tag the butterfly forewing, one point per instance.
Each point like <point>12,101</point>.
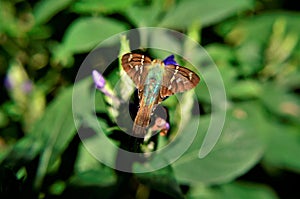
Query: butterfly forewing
<point>134,65</point>
<point>177,79</point>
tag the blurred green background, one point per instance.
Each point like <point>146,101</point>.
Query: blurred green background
<point>255,44</point>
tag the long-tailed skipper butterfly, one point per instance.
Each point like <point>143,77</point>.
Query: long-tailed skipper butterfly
<point>155,80</point>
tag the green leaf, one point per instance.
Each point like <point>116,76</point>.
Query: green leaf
<point>84,161</point>
<point>229,75</point>
<point>246,190</point>
<point>57,188</point>
<point>233,190</point>
<point>283,148</point>
<point>162,180</point>
<point>207,12</point>
<point>57,129</point>
<point>101,176</point>
<point>104,6</point>
<point>221,54</point>
<point>280,102</point>
<point>250,58</point>
<point>3,118</point>
<point>84,116</point>
<point>238,149</point>
<point>45,9</point>
<point>10,24</point>
<point>245,89</point>
<point>143,16</point>
<point>85,33</point>
<point>85,165</point>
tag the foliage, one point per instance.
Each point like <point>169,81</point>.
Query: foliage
<point>256,49</point>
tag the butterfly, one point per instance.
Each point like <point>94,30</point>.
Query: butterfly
<point>155,80</point>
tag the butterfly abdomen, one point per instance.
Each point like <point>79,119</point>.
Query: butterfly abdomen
<point>142,121</point>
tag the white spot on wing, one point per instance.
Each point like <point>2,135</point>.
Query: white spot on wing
<point>130,58</point>
<point>190,75</point>
<point>141,69</point>
<point>176,70</point>
<point>172,79</point>
<point>142,60</point>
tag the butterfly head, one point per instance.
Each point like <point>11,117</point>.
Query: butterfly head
<point>157,61</point>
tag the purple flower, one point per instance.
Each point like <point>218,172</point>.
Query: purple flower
<point>7,83</point>
<point>98,80</point>
<point>165,129</point>
<point>11,84</point>
<point>100,83</point>
<point>167,126</point>
<point>170,61</point>
<point>27,86</point>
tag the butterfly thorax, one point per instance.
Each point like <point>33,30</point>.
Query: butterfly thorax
<point>153,84</point>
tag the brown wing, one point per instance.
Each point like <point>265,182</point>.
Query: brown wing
<point>177,79</point>
<point>134,65</point>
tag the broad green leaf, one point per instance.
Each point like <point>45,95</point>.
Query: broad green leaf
<point>145,16</point>
<point>45,9</point>
<point>246,190</point>
<point>228,74</point>
<point>238,149</point>
<point>283,148</point>
<point>86,33</point>
<point>232,190</point>
<point>206,12</point>
<point>104,6</point>
<point>245,89</point>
